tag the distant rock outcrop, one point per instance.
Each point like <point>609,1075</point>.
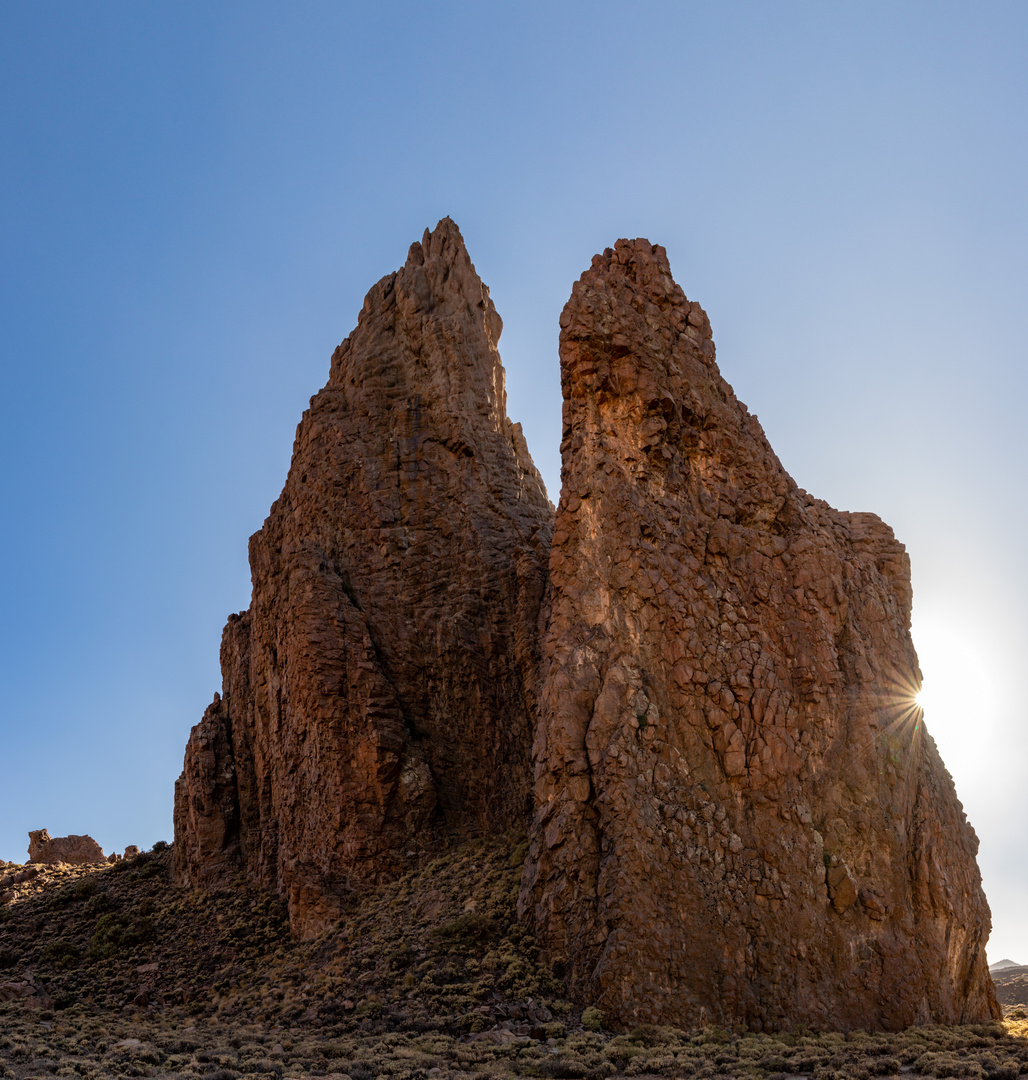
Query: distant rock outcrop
<point>77,850</point>
<point>379,693</point>
<point>740,815</point>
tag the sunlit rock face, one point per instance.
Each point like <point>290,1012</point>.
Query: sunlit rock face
<point>77,850</point>
<point>379,692</point>
<point>740,818</point>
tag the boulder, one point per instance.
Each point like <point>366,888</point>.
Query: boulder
<point>79,850</point>
<point>739,813</point>
<point>378,695</point>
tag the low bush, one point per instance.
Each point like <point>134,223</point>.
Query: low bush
<point>61,954</point>
<point>592,1019</point>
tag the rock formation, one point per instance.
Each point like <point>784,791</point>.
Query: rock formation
<point>740,817</point>
<point>378,695</point>
<point>77,850</point>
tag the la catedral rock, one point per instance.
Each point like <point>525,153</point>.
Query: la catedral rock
<point>740,815</point>
<point>379,694</point>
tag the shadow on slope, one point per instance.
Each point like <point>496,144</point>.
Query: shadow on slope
<point>111,971</point>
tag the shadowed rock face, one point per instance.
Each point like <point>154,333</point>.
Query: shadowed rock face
<point>740,817</point>
<point>379,692</point>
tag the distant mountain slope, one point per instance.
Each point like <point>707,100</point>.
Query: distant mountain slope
<point>1011,983</point>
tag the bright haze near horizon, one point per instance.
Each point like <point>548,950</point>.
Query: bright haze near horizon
<point>194,199</point>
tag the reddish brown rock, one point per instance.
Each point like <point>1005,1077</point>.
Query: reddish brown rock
<point>740,815</point>
<point>378,695</point>
<point>78,850</point>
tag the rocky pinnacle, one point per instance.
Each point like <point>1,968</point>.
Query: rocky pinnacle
<point>379,692</point>
<point>740,817</point>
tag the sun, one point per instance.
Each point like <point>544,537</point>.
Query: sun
<point>959,698</point>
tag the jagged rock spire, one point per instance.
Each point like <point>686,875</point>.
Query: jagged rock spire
<point>740,817</point>
<point>379,691</point>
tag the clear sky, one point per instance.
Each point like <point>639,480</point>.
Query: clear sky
<point>195,197</point>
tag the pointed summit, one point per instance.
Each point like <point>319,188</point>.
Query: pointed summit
<point>740,818</point>
<point>379,692</point>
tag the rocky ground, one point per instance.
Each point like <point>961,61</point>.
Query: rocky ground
<point>110,971</point>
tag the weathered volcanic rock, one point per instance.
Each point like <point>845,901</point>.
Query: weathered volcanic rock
<point>77,850</point>
<point>378,695</point>
<point>740,816</point>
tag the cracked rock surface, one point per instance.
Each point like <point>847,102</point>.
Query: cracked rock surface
<point>740,817</point>
<point>79,850</point>
<point>379,691</point>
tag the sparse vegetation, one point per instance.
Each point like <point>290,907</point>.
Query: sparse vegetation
<point>428,978</point>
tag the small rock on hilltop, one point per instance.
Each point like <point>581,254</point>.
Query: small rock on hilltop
<point>77,850</point>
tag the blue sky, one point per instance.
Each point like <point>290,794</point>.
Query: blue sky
<point>194,199</point>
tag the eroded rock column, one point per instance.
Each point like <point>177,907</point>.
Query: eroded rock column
<point>740,817</point>
<point>379,693</point>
